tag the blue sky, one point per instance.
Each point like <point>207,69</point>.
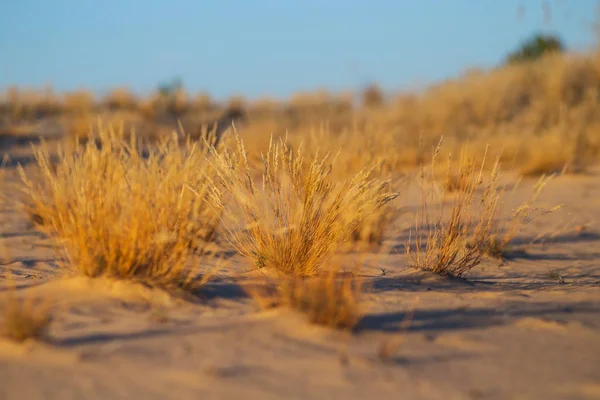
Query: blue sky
<point>267,47</point>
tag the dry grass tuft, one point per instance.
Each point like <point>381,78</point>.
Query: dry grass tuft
<point>454,244</point>
<point>506,231</point>
<point>24,319</point>
<point>457,182</point>
<point>17,131</point>
<point>297,218</point>
<point>355,149</point>
<point>119,213</point>
<point>79,101</point>
<point>372,228</point>
<point>329,299</point>
<point>545,156</point>
<point>80,126</point>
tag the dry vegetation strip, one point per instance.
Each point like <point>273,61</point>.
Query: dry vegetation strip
<point>543,113</point>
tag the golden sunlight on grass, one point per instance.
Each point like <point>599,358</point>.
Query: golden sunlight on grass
<point>24,318</point>
<point>119,213</point>
<point>353,150</point>
<point>543,113</point>
<point>454,244</point>
<point>329,299</point>
<point>297,217</point>
<point>525,214</point>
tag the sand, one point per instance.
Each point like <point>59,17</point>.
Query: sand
<point>512,330</point>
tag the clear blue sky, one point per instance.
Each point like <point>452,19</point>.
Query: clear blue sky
<point>267,47</point>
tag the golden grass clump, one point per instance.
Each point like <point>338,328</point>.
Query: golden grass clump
<point>120,99</point>
<point>78,102</point>
<point>454,244</point>
<point>545,155</point>
<point>23,103</point>
<point>527,212</point>
<point>24,318</point>
<point>326,300</point>
<point>329,299</point>
<point>557,153</point>
<point>354,149</point>
<point>372,228</point>
<point>119,213</point>
<point>457,181</point>
<point>80,126</point>
<point>297,218</point>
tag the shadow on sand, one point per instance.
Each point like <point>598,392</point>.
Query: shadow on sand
<point>454,319</point>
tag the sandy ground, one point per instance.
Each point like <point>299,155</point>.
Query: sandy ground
<point>512,331</point>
